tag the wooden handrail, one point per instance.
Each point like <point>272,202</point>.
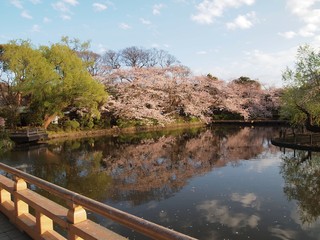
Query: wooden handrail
<point>77,204</point>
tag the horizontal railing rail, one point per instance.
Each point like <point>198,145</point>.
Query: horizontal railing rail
<point>16,199</point>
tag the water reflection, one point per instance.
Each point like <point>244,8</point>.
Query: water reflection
<point>301,173</point>
<point>209,183</point>
<point>142,167</point>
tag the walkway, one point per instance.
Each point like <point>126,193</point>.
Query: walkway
<point>9,232</point>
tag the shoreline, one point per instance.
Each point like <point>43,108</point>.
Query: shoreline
<point>139,129</point>
<point>118,131</point>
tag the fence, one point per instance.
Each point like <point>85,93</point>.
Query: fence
<point>39,216</point>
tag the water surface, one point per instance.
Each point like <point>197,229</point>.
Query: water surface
<point>219,183</point>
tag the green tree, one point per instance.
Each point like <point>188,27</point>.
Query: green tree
<point>301,97</point>
<point>49,80</point>
<point>22,68</point>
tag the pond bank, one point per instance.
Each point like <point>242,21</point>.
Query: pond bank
<point>118,131</point>
<point>306,141</point>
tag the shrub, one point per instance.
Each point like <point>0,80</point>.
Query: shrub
<point>71,125</point>
<point>5,142</point>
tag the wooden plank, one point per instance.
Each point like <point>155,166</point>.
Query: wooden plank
<point>49,208</point>
<point>6,183</point>
<point>93,231</point>
<point>8,209</point>
<point>52,235</point>
<point>27,223</point>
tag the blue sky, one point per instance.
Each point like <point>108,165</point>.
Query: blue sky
<point>227,38</point>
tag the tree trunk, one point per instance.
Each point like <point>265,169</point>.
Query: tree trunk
<point>310,126</point>
<point>309,122</point>
<point>48,120</point>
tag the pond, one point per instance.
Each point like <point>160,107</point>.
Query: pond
<point>216,183</point>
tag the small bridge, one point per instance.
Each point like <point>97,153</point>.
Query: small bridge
<point>39,217</point>
<point>28,135</point>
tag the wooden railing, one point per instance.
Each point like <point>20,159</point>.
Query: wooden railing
<point>39,216</point>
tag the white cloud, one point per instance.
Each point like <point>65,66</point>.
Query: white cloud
<point>35,28</point>
<point>145,22</point>
<point>124,26</point>
<point>64,8</point>
<point>156,9</point>
<point>98,7</point>
<point>267,67</point>
<point>65,17</point>
<point>102,48</point>
<point>71,2</point>
<point>308,30</point>
<point>242,21</point>
<point>46,20</point>
<point>208,10</point>
<point>288,35</point>
<point>35,1</point>
<point>306,12</point>
<point>61,7</point>
<point>202,52</point>
<point>25,14</point>
<point>16,3</point>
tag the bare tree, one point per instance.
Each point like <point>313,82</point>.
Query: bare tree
<point>165,59</point>
<point>111,59</point>
<point>134,57</point>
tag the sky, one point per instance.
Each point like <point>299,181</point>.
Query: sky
<point>227,38</point>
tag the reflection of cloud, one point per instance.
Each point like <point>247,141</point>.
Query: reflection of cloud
<point>247,200</point>
<point>218,213</point>
<point>152,205</point>
<point>284,234</point>
<point>265,160</point>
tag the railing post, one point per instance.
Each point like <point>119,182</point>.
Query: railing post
<point>5,196</point>
<point>76,214</point>
<point>43,223</point>
<point>20,206</point>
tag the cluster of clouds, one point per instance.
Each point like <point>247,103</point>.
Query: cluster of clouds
<point>64,7</point>
<point>309,16</point>
<point>268,65</point>
<point>208,11</point>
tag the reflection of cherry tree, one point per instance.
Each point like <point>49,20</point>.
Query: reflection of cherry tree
<point>302,183</point>
<point>164,165</point>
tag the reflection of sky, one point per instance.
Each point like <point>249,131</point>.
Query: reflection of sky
<point>217,212</point>
<point>265,160</point>
<point>245,201</point>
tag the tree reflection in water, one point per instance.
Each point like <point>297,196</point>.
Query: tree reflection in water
<point>301,173</point>
<point>147,166</point>
<point>183,179</point>
<point>141,167</point>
